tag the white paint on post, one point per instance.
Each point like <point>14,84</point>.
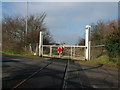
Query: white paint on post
<point>42,50</point>
<point>71,51</point>
<point>87,41</point>
<point>50,51</point>
<point>40,43</point>
<point>30,48</point>
<point>74,51</point>
<point>89,49</point>
<point>36,51</point>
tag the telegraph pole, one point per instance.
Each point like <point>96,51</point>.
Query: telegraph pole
<point>26,17</point>
<point>26,26</point>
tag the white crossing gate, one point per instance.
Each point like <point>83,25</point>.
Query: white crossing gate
<point>73,52</point>
<point>70,51</point>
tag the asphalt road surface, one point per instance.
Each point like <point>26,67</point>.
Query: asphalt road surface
<point>21,72</point>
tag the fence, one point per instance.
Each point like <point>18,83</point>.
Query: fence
<point>97,51</point>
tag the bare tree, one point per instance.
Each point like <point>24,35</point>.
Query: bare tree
<point>14,36</point>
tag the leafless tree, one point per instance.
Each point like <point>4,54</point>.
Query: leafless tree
<point>14,33</point>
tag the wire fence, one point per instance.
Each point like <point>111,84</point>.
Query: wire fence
<point>97,51</point>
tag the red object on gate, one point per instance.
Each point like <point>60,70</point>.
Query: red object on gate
<point>60,49</point>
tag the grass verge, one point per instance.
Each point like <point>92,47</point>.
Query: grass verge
<point>19,54</point>
<point>105,60</point>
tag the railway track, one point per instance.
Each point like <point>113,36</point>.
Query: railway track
<point>32,75</point>
<point>64,79</point>
<point>54,73</point>
<point>63,85</point>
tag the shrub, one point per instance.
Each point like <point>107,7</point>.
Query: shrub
<point>113,44</point>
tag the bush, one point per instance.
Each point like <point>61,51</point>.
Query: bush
<point>113,44</point>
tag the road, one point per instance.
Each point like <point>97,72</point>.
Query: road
<point>23,72</point>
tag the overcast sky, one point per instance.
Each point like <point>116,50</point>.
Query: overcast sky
<point>66,21</point>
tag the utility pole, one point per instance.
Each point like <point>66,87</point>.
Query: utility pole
<point>26,17</point>
<point>26,26</point>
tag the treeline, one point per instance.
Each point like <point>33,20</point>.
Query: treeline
<point>108,34</point>
<point>14,34</point>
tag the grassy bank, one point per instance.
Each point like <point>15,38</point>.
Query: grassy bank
<point>19,54</point>
<point>105,60</point>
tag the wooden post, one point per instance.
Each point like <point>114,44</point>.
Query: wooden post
<point>42,49</point>
<point>40,43</point>
<point>50,51</point>
<point>36,50</point>
<point>74,51</point>
<point>87,41</point>
<point>71,51</point>
<point>30,48</point>
<point>89,50</point>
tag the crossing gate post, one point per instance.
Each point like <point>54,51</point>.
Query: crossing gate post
<point>74,51</point>
<point>89,50</point>
<point>71,51</point>
<point>40,43</point>
<point>87,43</point>
<point>50,51</point>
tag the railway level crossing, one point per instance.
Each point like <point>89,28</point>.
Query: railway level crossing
<point>70,51</point>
